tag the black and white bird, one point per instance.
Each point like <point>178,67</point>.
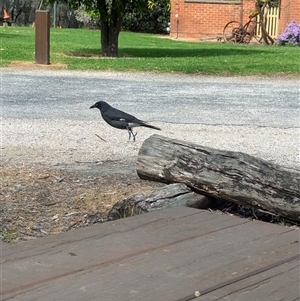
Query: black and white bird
<point>120,119</point>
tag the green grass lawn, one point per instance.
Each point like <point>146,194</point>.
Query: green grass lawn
<point>79,49</point>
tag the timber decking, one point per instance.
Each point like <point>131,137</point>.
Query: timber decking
<point>163,255</point>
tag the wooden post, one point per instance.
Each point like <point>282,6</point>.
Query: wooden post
<point>42,37</point>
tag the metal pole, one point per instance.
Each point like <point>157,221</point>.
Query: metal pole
<point>242,13</point>
<point>177,22</point>
<point>54,14</point>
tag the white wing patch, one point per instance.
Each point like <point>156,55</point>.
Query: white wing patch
<point>132,124</point>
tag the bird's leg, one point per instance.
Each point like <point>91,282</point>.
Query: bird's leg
<point>130,132</point>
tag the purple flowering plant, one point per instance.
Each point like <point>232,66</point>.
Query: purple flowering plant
<point>291,35</point>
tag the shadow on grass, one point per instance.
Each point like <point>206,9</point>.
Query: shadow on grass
<point>178,52</point>
<point>5,35</point>
<point>173,52</point>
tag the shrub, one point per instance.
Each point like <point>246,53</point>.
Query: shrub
<point>152,20</point>
<point>291,35</point>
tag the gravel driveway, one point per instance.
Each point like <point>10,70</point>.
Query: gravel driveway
<point>46,114</point>
<point>57,174</point>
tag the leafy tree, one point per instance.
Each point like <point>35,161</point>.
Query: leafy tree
<point>111,13</point>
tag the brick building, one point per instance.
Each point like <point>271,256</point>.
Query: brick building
<point>289,10</point>
<point>205,19</point>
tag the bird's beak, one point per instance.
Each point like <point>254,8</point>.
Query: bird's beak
<point>92,107</point>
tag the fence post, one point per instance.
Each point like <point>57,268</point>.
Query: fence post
<point>42,37</point>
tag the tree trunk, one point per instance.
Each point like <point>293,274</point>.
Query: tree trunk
<point>110,38</point>
<point>225,175</point>
<point>110,23</point>
<point>263,11</point>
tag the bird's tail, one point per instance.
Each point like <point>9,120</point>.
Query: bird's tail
<point>150,126</point>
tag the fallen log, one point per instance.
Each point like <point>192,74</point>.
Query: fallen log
<point>171,195</point>
<point>232,176</point>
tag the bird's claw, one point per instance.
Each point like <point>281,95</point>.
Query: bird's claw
<point>133,136</point>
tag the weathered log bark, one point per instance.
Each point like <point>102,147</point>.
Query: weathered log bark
<point>159,198</point>
<point>226,175</point>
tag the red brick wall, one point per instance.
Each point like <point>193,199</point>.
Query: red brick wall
<point>206,20</point>
<point>290,10</point>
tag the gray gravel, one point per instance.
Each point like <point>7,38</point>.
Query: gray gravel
<point>46,117</point>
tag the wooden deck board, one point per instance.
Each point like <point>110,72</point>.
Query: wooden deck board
<point>267,286</point>
<point>163,255</point>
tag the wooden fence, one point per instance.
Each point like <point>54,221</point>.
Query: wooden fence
<point>272,22</point>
